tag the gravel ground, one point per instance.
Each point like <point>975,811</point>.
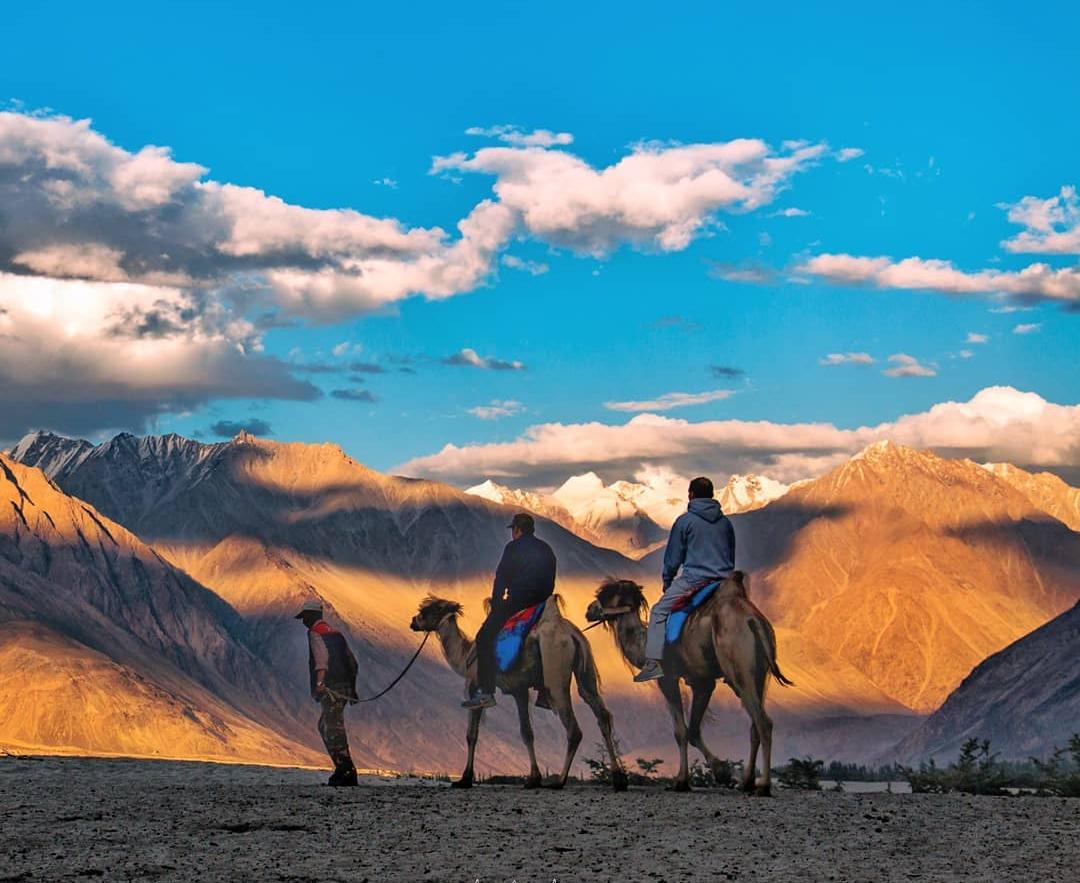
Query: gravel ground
<point>75,819</point>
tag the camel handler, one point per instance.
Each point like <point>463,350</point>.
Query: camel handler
<point>702,543</point>
<point>333,685</point>
<point>525,576</point>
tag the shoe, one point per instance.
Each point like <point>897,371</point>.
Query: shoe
<point>651,671</point>
<point>480,700</point>
<point>344,777</point>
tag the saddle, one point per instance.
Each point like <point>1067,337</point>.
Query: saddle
<point>686,605</point>
<point>512,635</point>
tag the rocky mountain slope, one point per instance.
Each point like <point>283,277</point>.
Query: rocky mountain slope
<point>107,648</point>
<point>1045,491</point>
<point>910,567</point>
<point>1025,699</point>
<point>744,493</point>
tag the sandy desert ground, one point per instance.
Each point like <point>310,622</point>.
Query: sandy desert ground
<point>75,819</point>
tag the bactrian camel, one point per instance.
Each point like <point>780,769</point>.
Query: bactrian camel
<point>726,637</point>
<point>554,650</point>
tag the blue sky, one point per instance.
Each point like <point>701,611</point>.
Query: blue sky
<point>958,109</point>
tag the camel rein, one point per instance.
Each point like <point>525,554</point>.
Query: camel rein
<point>609,615</point>
<point>404,671</point>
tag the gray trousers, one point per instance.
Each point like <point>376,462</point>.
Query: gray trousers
<point>661,610</point>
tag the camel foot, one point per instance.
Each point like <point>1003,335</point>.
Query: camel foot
<point>619,780</point>
<point>463,782</point>
<point>557,785</point>
<point>534,782</point>
<point>763,791</point>
<point>748,787</point>
<point>679,786</point>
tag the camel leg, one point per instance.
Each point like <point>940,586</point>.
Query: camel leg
<point>560,701</point>
<point>702,693</point>
<point>589,690</point>
<point>471,735</point>
<point>749,779</point>
<point>670,688</point>
<point>525,721</point>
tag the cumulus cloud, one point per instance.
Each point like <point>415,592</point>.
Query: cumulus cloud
<point>78,356</point>
<point>230,428</point>
<point>533,268</point>
<point>469,358</point>
<point>671,400</point>
<point>791,213</point>
<point>846,154</point>
<point>659,197</point>
<point>904,365</point>
<point>1027,328</point>
<point>497,409</point>
<point>1051,226</point>
<point>1034,282</point>
<point>519,138</point>
<point>833,359</point>
<point>997,424</point>
<point>973,337</point>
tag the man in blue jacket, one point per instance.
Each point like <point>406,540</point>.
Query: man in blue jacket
<point>525,576</point>
<point>702,543</point>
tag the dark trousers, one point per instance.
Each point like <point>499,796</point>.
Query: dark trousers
<point>486,667</point>
<point>332,730</point>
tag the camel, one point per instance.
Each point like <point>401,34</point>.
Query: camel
<point>554,650</point>
<point>727,637</point>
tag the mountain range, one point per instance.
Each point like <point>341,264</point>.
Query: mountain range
<point>888,579</point>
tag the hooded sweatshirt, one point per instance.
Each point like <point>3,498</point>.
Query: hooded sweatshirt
<point>702,542</point>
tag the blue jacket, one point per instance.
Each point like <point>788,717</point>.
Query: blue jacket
<point>702,542</point>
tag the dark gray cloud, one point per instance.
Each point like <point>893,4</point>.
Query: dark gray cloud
<point>230,428</point>
<point>726,371</point>
<point>366,368</point>
<point>354,395</point>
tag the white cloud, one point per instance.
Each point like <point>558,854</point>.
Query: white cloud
<point>497,409</point>
<point>791,213</point>
<point>973,337</point>
<point>997,424</point>
<point>908,366</point>
<point>847,359</point>
<point>966,354</point>
<point>846,154</point>
<point>469,358</point>
<point>76,356</point>
<point>386,182</point>
<point>1052,226</point>
<point>659,197</point>
<point>1027,328</point>
<point>519,138</point>
<point>671,400</point>
<point>1037,281</point>
<point>533,268</point>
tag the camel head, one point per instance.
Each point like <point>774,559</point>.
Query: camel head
<point>615,597</point>
<point>432,612</point>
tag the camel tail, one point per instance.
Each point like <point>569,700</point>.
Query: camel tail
<point>767,639</point>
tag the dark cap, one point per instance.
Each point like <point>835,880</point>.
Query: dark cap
<point>523,521</point>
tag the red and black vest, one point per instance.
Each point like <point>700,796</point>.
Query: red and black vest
<point>341,668</point>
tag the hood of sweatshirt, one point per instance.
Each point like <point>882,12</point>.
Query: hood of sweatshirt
<point>708,509</point>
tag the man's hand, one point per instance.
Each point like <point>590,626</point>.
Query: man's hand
<point>320,684</point>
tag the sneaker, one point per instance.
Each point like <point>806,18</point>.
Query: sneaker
<point>480,700</point>
<point>651,671</point>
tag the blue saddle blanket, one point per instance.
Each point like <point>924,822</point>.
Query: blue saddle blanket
<point>511,637</point>
<point>686,605</point>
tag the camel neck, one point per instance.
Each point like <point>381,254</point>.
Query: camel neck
<point>630,638</point>
<point>455,645</point>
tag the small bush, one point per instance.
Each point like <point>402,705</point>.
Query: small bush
<point>976,771</point>
<point>802,774</point>
<point>1060,775</point>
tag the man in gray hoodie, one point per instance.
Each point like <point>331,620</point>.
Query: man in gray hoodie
<point>702,543</point>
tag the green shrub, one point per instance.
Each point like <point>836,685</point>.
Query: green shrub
<point>803,774</point>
